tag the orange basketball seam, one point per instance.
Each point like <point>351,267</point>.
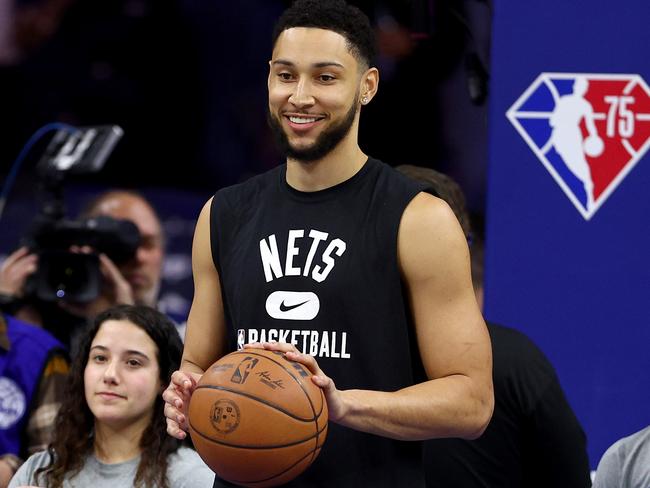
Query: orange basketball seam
<point>258,399</point>
<point>322,401</point>
<point>245,446</point>
<point>280,473</point>
<point>301,375</point>
<point>297,380</point>
<point>290,373</point>
<point>311,404</point>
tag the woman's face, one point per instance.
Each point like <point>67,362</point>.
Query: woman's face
<point>122,378</point>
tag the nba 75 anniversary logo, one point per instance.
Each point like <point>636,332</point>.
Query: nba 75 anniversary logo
<point>588,130</point>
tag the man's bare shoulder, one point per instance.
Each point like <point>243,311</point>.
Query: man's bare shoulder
<point>430,240</point>
<point>427,214</point>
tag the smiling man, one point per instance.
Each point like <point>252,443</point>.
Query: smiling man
<point>304,131</point>
<point>345,266</point>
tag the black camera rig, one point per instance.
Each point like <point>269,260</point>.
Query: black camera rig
<point>62,274</point>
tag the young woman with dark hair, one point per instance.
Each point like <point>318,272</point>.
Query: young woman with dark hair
<point>110,431</point>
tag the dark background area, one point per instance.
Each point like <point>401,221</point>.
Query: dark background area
<point>186,80</point>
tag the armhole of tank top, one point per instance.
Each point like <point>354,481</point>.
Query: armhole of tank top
<point>417,368</point>
<point>408,198</point>
<point>214,230</point>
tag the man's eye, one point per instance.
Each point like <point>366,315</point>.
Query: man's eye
<point>285,76</point>
<point>326,78</point>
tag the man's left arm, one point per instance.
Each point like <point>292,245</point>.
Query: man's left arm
<point>454,344</point>
<point>453,341</point>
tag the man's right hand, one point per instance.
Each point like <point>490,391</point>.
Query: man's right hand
<point>177,400</point>
<point>15,270</point>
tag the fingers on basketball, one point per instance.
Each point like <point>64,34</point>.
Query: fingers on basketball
<point>257,419</point>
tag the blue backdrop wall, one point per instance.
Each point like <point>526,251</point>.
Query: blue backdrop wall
<point>568,215</point>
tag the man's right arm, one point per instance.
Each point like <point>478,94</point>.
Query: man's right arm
<point>205,337</point>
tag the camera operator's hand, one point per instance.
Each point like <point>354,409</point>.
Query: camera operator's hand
<point>115,289</point>
<point>15,270</point>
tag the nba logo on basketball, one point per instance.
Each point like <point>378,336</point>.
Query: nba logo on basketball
<point>243,370</point>
<point>588,130</point>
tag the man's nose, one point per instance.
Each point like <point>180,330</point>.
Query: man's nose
<point>302,95</point>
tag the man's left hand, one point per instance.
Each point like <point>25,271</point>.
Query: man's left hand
<point>334,398</point>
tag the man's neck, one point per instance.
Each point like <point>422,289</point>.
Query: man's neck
<point>339,165</point>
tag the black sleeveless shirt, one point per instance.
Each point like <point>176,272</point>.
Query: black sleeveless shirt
<point>320,270</point>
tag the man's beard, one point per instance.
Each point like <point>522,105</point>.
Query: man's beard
<point>325,142</point>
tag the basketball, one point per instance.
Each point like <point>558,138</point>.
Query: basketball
<point>594,146</point>
<point>257,419</point>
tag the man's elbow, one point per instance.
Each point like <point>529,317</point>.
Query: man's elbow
<point>484,408</point>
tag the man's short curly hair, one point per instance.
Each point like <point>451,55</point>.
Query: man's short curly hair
<point>336,16</point>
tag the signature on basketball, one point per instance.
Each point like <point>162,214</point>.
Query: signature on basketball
<point>265,377</point>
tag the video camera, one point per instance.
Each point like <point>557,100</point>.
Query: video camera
<point>62,274</point>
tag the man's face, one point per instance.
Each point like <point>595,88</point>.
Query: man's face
<point>143,272</point>
<point>313,92</point>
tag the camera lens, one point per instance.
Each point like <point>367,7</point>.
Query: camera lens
<point>68,276</point>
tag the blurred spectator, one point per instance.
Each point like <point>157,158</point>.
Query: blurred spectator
<point>626,464</point>
<point>136,281</point>
<point>534,439</point>
<point>33,372</point>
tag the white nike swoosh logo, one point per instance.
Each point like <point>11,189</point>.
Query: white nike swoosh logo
<point>293,305</point>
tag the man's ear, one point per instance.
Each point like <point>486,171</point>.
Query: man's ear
<point>369,85</point>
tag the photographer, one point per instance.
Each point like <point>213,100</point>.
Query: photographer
<point>136,281</point>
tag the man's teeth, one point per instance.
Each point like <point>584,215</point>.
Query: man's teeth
<point>302,120</point>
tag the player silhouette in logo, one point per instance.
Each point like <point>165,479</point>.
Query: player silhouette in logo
<point>567,138</point>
